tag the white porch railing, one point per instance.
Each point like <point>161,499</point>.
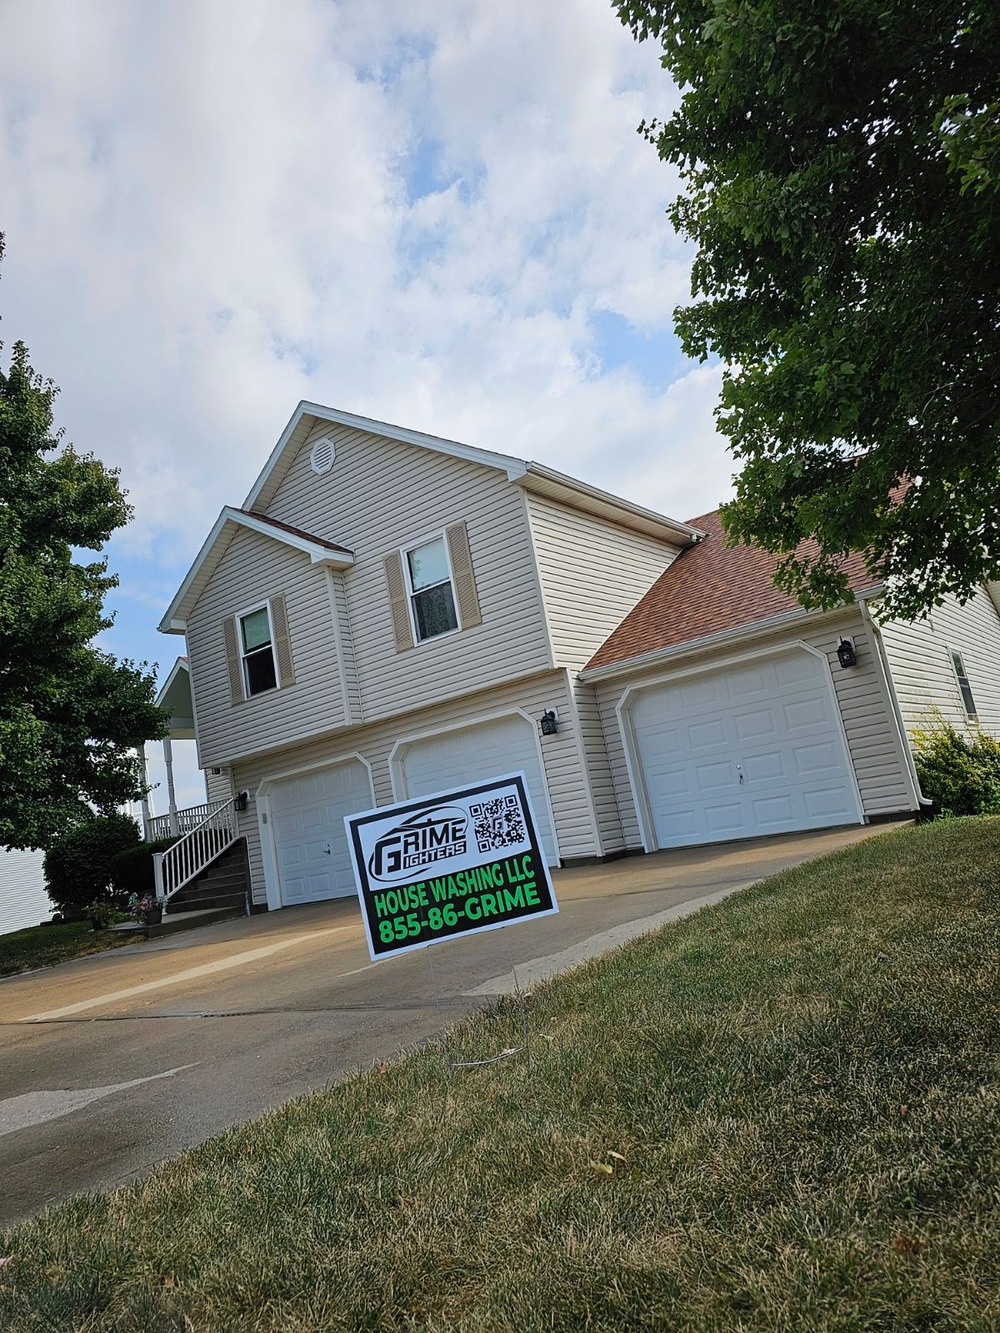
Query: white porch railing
<point>159,825</point>
<point>198,848</point>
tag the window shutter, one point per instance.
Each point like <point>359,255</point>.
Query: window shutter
<point>465,583</point>
<point>282,645</point>
<point>233,662</point>
<point>398,601</point>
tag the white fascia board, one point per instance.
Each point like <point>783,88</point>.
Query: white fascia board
<point>581,494</point>
<point>692,647</point>
<point>174,620</point>
<point>514,467</point>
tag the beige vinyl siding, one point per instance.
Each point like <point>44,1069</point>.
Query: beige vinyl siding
<point>571,809</point>
<point>592,574</point>
<point>919,655</point>
<point>252,569</point>
<point>381,496</point>
<point>219,786</point>
<point>872,736</point>
<point>598,770</point>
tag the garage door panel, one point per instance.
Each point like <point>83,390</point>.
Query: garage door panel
<point>765,767</point>
<point>707,735</point>
<point>714,777</point>
<point>774,723</point>
<point>307,823</point>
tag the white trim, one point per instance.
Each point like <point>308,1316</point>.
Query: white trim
<point>537,571</point>
<point>404,552</point>
<point>265,817</point>
<point>581,495</point>
<point>480,719</point>
<point>180,665</point>
<point>239,617</point>
<point>338,647</point>
<point>952,654</point>
<point>514,467</point>
<point>174,622</point>
<point>623,712</point>
<point>517,469</point>
<point>787,619</point>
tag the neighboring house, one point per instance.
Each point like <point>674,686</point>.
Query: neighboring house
<point>389,614</point>
<point>23,900</point>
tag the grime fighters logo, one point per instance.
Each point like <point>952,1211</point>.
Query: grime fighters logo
<point>433,835</point>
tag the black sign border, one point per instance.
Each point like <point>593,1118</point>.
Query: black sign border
<point>543,881</point>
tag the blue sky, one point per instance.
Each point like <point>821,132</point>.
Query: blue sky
<point>436,215</point>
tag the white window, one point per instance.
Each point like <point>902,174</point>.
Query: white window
<point>429,585</point>
<point>963,684</point>
<point>257,652</point>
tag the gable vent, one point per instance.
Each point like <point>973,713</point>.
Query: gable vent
<point>322,456</point>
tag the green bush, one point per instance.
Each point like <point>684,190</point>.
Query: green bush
<point>132,869</point>
<point>960,774</point>
<point>78,866</point>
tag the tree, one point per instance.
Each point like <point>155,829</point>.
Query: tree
<point>842,165</point>
<point>71,716</point>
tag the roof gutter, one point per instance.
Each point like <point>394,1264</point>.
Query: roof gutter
<point>592,496</point>
<point>721,639</point>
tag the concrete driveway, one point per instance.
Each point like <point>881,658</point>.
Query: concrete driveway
<point>112,1063</point>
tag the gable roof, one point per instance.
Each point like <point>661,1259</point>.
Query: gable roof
<point>531,476</point>
<point>711,589</point>
<point>321,551</point>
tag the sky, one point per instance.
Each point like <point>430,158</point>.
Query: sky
<point>439,215</point>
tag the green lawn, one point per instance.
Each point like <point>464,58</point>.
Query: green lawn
<point>781,1114</point>
<point>41,946</point>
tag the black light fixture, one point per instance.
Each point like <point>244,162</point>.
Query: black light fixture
<point>242,800</point>
<point>846,654</point>
<point>549,723</point>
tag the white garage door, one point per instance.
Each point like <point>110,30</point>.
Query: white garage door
<point>473,754</point>
<point>307,824</point>
<point>751,750</point>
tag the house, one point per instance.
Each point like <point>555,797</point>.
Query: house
<point>388,614</point>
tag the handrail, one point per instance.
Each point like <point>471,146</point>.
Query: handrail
<point>159,825</point>
<point>198,848</point>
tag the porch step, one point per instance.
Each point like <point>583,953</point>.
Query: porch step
<point>221,886</point>
<point>171,925</point>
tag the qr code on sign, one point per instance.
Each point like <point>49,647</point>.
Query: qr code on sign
<point>498,823</point>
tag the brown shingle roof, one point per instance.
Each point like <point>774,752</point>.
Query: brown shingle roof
<point>710,587</point>
<point>296,532</point>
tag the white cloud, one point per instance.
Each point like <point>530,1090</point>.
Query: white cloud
<point>210,219</point>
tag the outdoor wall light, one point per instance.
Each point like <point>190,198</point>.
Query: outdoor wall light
<point>846,654</point>
<point>549,723</point>
<point>242,800</point>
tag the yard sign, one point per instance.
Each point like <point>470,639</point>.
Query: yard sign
<point>451,864</point>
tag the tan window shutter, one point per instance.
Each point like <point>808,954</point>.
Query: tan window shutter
<point>469,613</point>
<point>233,661</point>
<point>282,644</point>
<point>398,601</point>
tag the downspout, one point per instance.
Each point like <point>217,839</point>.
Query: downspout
<point>882,661</point>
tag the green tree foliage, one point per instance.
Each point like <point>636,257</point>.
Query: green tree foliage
<point>70,714</point>
<point>842,172</point>
<point>79,864</point>
<point>959,773</point>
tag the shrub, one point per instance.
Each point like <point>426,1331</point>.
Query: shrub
<point>132,869</point>
<point>78,865</point>
<point>959,773</point>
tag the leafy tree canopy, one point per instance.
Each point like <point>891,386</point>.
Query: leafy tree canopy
<point>70,714</point>
<point>842,172</point>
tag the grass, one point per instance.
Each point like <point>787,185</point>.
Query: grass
<point>43,946</point>
<point>781,1114</point>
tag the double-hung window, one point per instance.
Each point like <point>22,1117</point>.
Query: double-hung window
<point>432,588</point>
<point>963,684</point>
<point>257,652</point>
<point>429,584</point>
